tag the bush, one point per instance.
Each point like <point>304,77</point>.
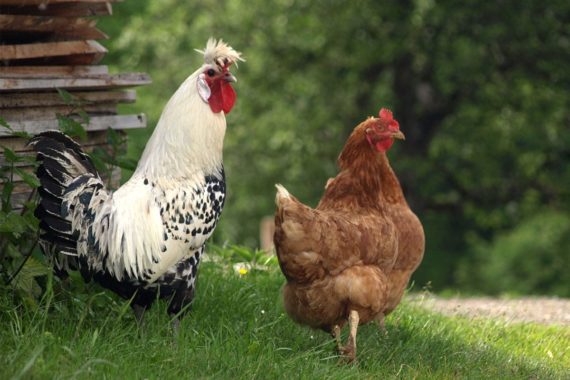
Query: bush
<point>532,258</point>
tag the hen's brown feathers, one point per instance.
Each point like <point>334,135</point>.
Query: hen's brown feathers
<point>326,302</point>
<point>411,238</point>
<point>314,243</point>
<point>356,250</point>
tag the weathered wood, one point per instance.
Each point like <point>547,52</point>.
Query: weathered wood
<point>61,9</point>
<point>18,100</point>
<point>46,3</point>
<point>88,147</point>
<point>42,44</point>
<point>19,145</point>
<point>46,113</point>
<point>58,27</point>
<point>74,59</point>
<point>95,82</point>
<point>51,71</point>
<point>96,123</point>
<point>51,49</point>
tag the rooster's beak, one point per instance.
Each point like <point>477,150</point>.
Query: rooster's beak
<point>228,77</point>
<point>398,135</point>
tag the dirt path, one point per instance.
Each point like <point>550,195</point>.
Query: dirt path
<point>548,311</point>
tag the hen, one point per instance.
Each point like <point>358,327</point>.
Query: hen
<point>411,238</point>
<point>144,240</point>
<point>337,257</point>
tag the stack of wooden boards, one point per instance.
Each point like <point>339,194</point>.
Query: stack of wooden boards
<point>50,45</point>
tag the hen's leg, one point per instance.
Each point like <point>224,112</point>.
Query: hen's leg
<point>336,336</point>
<point>381,324</point>
<point>349,351</point>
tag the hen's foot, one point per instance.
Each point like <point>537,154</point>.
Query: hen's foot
<point>335,332</point>
<point>381,324</point>
<point>348,352</point>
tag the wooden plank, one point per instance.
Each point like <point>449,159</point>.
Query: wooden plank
<point>58,27</point>
<point>46,113</point>
<point>29,153</point>
<point>51,71</point>
<point>92,82</point>
<point>42,28</point>
<point>51,49</point>
<point>54,99</point>
<point>96,123</point>
<point>75,59</point>
<point>18,199</point>
<point>60,9</point>
<point>19,145</point>
<point>46,3</point>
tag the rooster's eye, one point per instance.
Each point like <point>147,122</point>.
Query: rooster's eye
<point>211,72</point>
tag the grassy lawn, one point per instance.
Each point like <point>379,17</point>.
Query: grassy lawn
<point>238,329</point>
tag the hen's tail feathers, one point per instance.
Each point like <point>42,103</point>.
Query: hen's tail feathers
<point>281,195</point>
<point>61,162</point>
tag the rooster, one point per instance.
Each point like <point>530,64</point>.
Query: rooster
<point>337,257</point>
<point>145,240</point>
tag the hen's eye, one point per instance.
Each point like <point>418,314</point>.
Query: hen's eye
<point>211,72</point>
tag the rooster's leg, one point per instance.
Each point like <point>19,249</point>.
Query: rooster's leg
<point>349,351</point>
<point>139,313</point>
<point>336,335</point>
<point>176,326</point>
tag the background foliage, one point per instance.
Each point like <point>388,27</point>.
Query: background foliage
<point>480,90</point>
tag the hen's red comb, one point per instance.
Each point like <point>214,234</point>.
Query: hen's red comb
<point>386,116</point>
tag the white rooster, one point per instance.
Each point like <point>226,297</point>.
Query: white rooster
<point>145,239</point>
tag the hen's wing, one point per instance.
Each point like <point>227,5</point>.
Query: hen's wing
<point>312,243</point>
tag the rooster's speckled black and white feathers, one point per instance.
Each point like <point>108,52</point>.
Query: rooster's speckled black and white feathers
<point>145,239</point>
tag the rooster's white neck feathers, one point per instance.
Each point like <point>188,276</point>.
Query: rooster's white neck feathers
<point>188,138</point>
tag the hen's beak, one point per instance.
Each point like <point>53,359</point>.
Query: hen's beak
<point>228,77</point>
<point>398,135</point>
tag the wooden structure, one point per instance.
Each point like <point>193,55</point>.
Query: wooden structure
<point>46,45</point>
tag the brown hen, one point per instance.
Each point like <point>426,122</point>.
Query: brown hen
<point>411,238</point>
<point>337,258</point>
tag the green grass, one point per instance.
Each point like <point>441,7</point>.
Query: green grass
<point>238,329</point>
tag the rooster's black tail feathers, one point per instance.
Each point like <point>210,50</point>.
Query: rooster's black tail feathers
<point>61,162</point>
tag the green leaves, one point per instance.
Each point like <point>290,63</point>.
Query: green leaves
<point>232,253</point>
<point>66,96</point>
<point>18,228</point>
<point>29,179</point>
<point>71,127</point>
<point>13,223</point>
<point>13,133</point>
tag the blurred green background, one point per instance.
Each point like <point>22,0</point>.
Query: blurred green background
<point>481,89</point>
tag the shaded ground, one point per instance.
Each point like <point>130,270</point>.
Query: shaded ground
<point>548,311</point>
